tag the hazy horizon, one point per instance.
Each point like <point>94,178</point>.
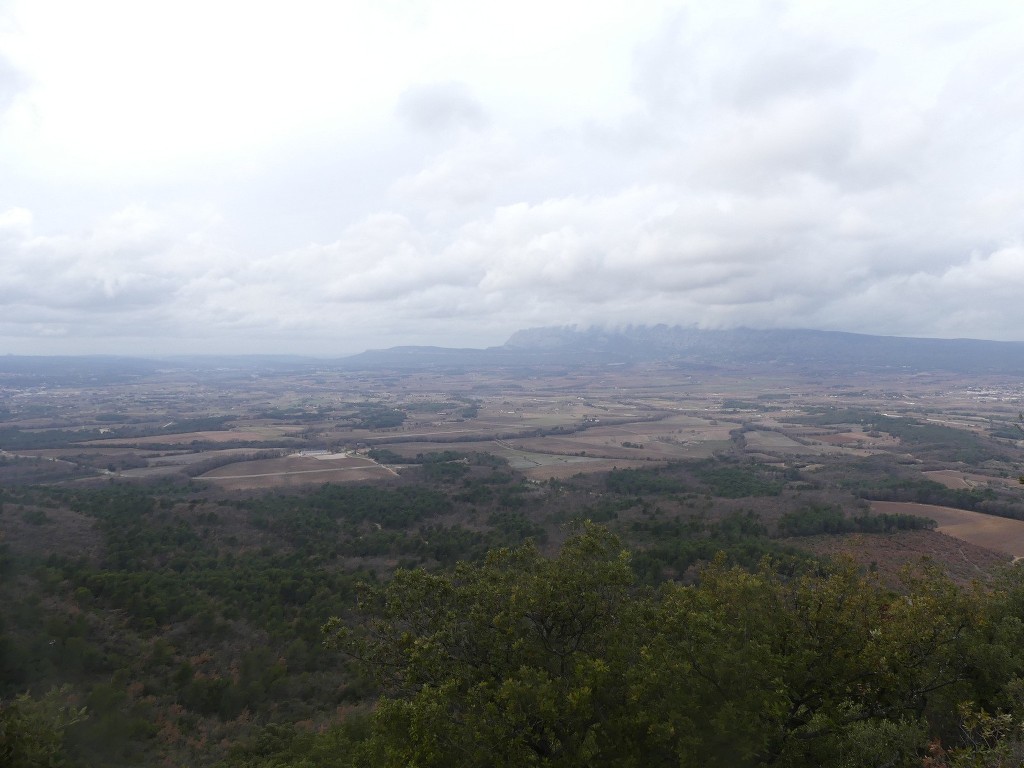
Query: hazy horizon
<point>611,330</point>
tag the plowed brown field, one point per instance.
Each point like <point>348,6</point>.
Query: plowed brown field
<point>996,533</point>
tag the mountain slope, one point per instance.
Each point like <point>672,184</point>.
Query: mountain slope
<point>826,351</point>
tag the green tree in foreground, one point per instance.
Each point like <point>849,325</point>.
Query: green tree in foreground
<point>525,660</point>
<point>32,730</point>
<point>519,661</point>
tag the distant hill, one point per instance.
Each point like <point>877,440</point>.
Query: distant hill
<point>804,351</point>
<point>809,350</point>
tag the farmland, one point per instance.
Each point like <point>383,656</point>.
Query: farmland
<point>547,423</point>
<point>998,534</point>
<point>191,532</point>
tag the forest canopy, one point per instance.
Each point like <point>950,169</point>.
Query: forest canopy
<point>525,660</point>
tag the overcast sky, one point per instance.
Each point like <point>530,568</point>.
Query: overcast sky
<point>326,177</point>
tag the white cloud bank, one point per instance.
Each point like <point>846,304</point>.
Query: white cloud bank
<point>451,176</point>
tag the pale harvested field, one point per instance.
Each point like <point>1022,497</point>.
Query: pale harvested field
<point>298,480</point>
<point>655,429</point>
<point>380,438</point>
<point>294,470</point>
<point>662,440</point>
<point>776,441</point>
<point>144,472</point>
<point>680,420</point>
<point>285,464</point>
<point>593,446</point>
<point>860,439</point>
<point>768,439</point>
<point>536,465</point>
<point>952,478</point>
<point>655,447</point>
<point>949,478</point>
<point>564,470</point>
<point>258,434</point>
<point>519,458</point>
<point>512,421</point>
<point>73,450</point>
<point>807,432</point>
<point>410,450</point>
<point>171,464</point>
<point>971,425</point>
<point>999,534</point>
<point>194,457</point>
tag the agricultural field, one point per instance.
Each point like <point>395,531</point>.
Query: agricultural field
<point>189,537</point>
<point>546,424</point>
<point>295,469</point>
<point>998,534</point>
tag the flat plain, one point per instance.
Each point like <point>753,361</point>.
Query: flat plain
<point>281,427</point>
<point>194,528</point>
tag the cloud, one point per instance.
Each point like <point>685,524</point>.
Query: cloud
<point>132,267</point>
<point>439,107</point>
<point>978,292</point>
<point>12,82</point>
<point>647,254</point>
<point>773,164</point>
<point>739,61</point>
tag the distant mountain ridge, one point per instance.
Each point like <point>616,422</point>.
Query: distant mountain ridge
<point>826,351</point>
<point>806,351</point>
